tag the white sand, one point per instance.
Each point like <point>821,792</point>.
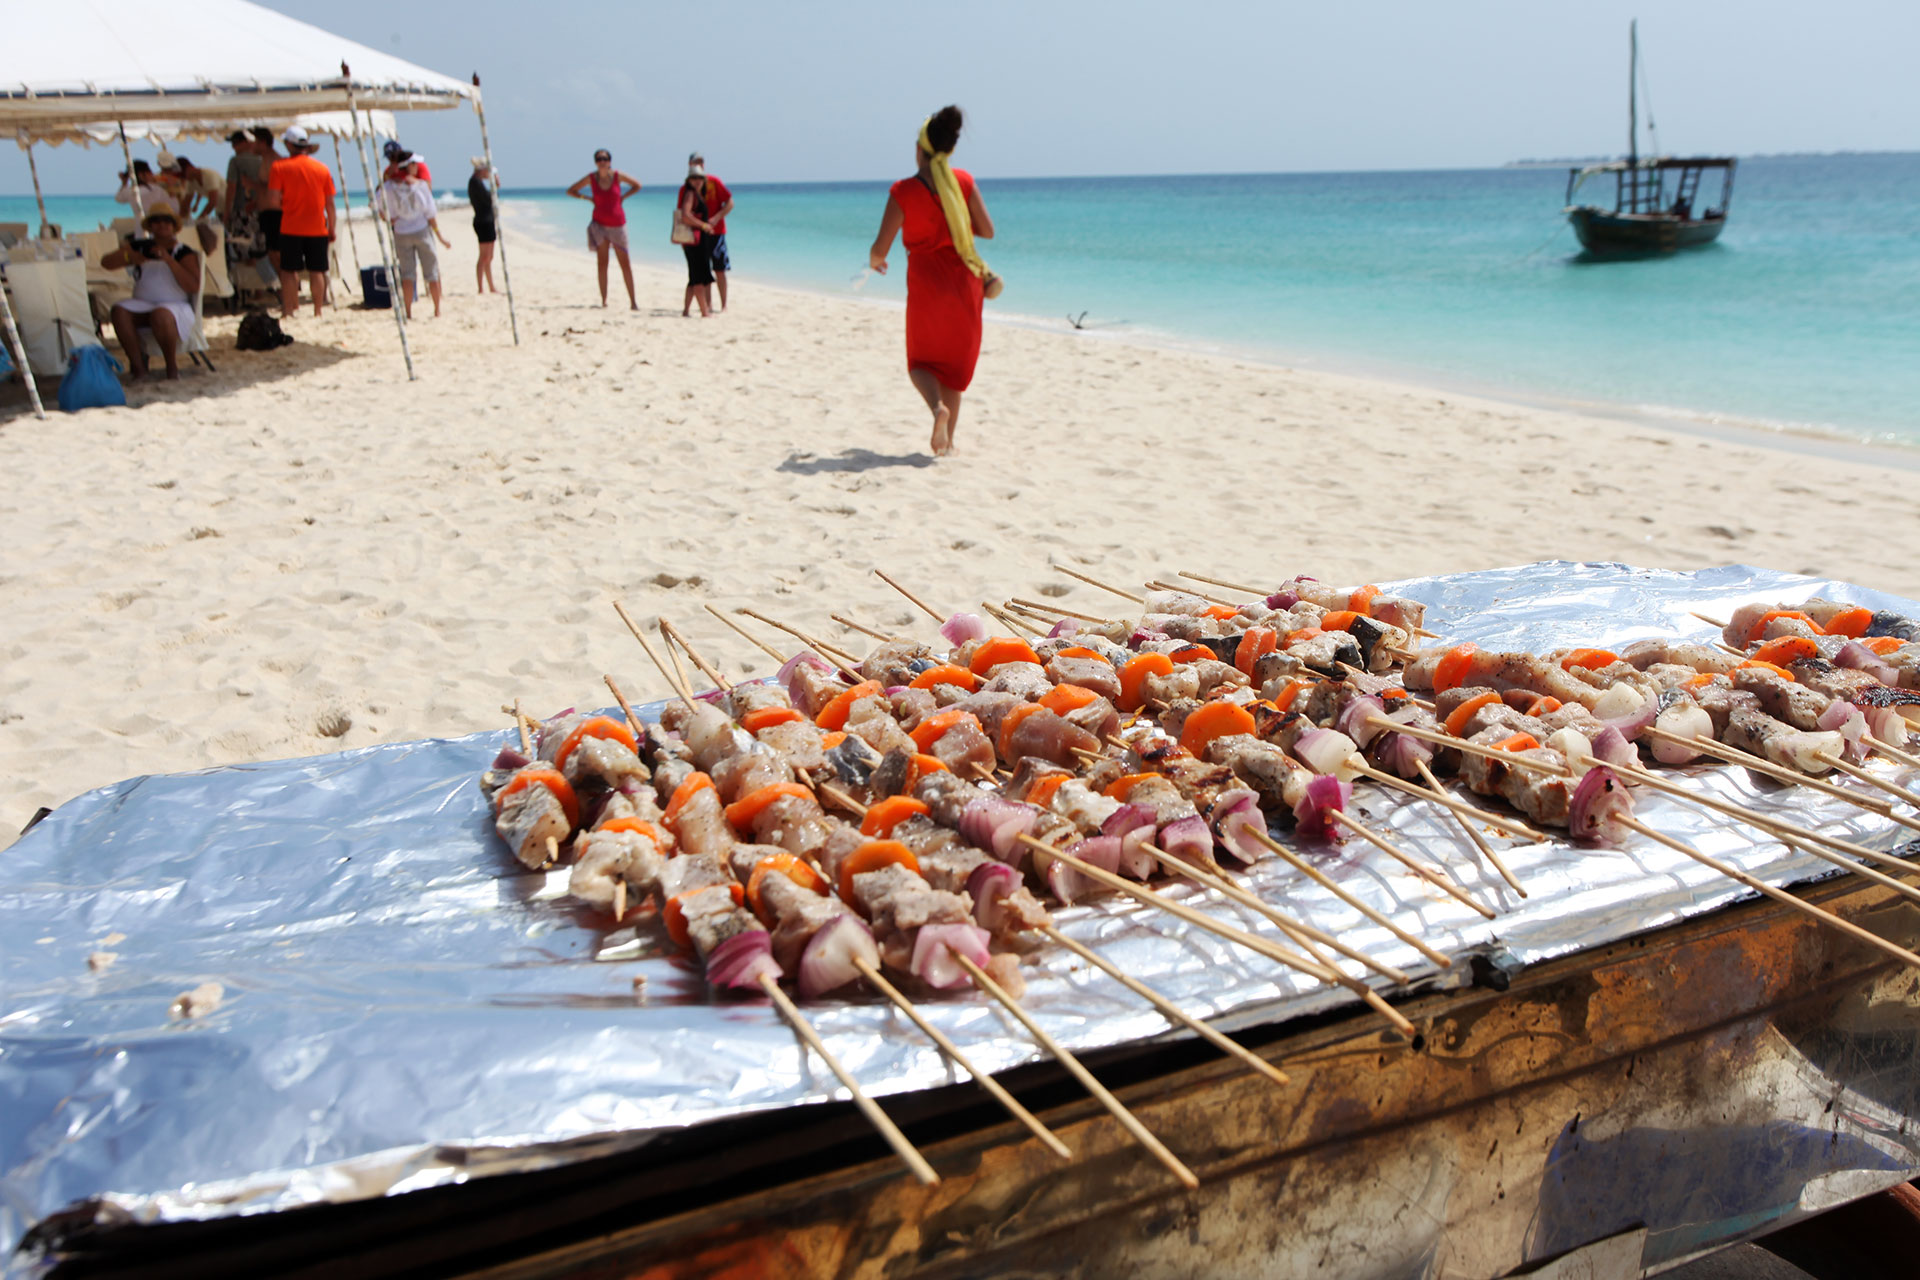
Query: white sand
<point>304,552</point>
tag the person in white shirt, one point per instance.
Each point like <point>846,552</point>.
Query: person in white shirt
<point>407,204</point>
<point>154,198</point>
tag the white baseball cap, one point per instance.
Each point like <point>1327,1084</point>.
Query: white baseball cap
<point>295,136</point>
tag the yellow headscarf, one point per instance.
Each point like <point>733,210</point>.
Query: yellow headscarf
<point>954,205</point>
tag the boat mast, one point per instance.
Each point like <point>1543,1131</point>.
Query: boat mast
<point>1633,90</point>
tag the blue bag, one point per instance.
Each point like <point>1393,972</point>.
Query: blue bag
<point>92,381</point>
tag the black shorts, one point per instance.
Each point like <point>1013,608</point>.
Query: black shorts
<point>303,253</point>
<point>270,229</point>
<point>485,230</point>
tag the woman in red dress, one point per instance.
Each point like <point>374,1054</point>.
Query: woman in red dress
<point>945,281</point>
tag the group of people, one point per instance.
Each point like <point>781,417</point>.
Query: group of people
<point>699,227</point>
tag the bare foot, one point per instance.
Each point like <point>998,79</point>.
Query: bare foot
<point>942,439</point>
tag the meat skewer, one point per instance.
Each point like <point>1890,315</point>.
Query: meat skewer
<point>1415,628</point>
<point>745,634</point>
<point>1095,582</point>
<point>924,607</point>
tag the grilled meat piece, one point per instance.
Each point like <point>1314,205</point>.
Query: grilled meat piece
<point>895,662</point>
<point>1087,673</point>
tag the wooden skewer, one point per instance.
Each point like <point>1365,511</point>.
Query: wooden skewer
<point>1710,621</point>
<point>1510,826</point>
<point>1008,620</point>
<point>633,721</point>
<point>1867,776</point>
<point>1320,878</point>
<point>1024,611</point>
<point>1300,931</point>
<point>851,625</point>
<point>1792,777</point>
<point>748,636</point>
<point>1443,883</point>
<point>1031,607</point>
<point>686,694</point>
<point>831,651</point>
<point>674,636</point>
<point>679,672</point>
<point>870,1109</point>
<point>842,799</point>
<point>1825,847</point>
<point>924,606</point>
<point>1127,1119</point>
<point>1779,895</point>
<point>619,901</point>
<point>1891,752</point>
<point>1251,942</point>
<point>1155,585</point>
<point>1095,582</point>
<point>553,851</point>
<point>1171,1011</point>
<point>1221,582</point>
<point>520,723</point>
<point>1472,831</point>
<point>1512,758</point>
<point>948,1047</point>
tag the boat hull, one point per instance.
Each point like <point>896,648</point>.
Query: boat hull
<point>1642,234</point>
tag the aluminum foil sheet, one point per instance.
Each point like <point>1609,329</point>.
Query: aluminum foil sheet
<point>403,1006</point>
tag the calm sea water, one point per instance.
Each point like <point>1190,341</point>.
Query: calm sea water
<point>1803,315</point>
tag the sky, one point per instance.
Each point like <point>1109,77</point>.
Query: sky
<point>784,92</point>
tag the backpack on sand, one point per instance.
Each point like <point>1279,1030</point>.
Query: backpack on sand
<point>92,381</point>
<point>260,332</point>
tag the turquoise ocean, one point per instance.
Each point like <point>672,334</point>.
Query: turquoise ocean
<point>1804,316</point>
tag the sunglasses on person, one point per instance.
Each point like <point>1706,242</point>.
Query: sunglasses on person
<point>603,158</point>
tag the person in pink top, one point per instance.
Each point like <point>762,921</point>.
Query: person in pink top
<point>608,188</point>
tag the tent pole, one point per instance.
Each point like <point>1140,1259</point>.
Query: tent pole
<point>499,223</point>
<point>379,232</point>
<point>340,167</point>
<point>133,179</point>
<point>20,356</point>
<point>38,199</point>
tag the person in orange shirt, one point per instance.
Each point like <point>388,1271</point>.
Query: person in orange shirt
<point>306,220</point>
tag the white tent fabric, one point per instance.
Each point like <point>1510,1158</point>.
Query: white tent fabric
<point>79,63</point>
<point>338,124</point>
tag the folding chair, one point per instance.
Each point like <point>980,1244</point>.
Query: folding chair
<point>50,305</point>
<point>193,342</point>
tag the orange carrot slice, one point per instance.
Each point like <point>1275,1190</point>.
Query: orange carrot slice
<point>1120,788</point>
<point>883,817</point>
<point>1220,611</point>
<point>742,812</point>
<point>922,765</point>
<point>1192,653</point>
<point>1518,742</point>
<point>1213,720</point>
<point>1361,601</point>
<point>1778,670</point>
<point>1541,705</point>
<point>1695,682</point>
<point>1852,623</point>
<point>1301,636</point>
<point>1135,673</point>
<point>1589,658</point>
<point>792,868</point>
<point>1883,645</point>
<point>676,917</point>
<point>1457,721</point>
<point>999,649</point>
<point>872,856</point>
<point>1255,643</point>
<point>1288,694</point>
<point>684,794</point>
<point>935,726</point>
<point>1081,651</point>
<point>1041,792</point>
<point>1063,698</point>
<point>640,825</point>
<point>766,717</point>
<point>1339,620</point>
<point>832,740</point>
<point>1759,628</point>
<point>597,727</point>
<point>1011,721</point>
<point>834,714</point>
<point>1453,667</point>
<point>948,674</point>
<point>552,781</point>
<point>1785,650</point>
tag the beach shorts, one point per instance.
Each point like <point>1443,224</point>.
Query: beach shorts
<point>719,259</point>
<point>599,233</point>
<point>485,230</point>
<point>416,256</point>
<point>269,220</point>
<point>304,253</point>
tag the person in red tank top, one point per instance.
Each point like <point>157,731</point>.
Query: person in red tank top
<point>608,188</point>
<point>944,296</point>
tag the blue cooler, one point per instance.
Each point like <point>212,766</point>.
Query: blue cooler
<point>375,292</point>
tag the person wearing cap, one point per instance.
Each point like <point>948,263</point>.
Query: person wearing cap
<point>607,231</point>
<point>486,225</point>
<point>720,201</point>
<point>153,196</point>
<point>305,189</point>
<point>407,205</point>
<point>202,193</point>
<point>394,153</point>
<point>167,276</point>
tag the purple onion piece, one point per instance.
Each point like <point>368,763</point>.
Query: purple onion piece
<point>1128,817</point>
<point>1067,883</point>
<point>996,825</point>
<point>989,886</point>
<point>1611,747</point>
<point>1283,600</point>
<point>1325,793</point>
<point>510,759</point>
<point>1135,862</point>
<point>1064,627</point>
<point>1354,719</point>
<point>934,947</point>
<point>1858,657</point>
<point>1142,635</point>
<point>1886,724</point>
<point>711,697</point>
<point>741,959</point>
<point>1845,719</point>
<point>828,962</point>
<point>962,627</point>
<point>1598,801</point>
<point>1405,755</point>
<point>1188,839</point>
<point>1236,820</point>
<point>1631,727</point>
<point>785,675</point>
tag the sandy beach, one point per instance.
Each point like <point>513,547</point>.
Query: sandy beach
<point>304,553</point>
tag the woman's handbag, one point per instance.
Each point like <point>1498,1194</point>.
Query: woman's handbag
<point>684,232</point>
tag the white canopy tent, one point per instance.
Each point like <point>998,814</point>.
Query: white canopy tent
<point>99,71</point>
